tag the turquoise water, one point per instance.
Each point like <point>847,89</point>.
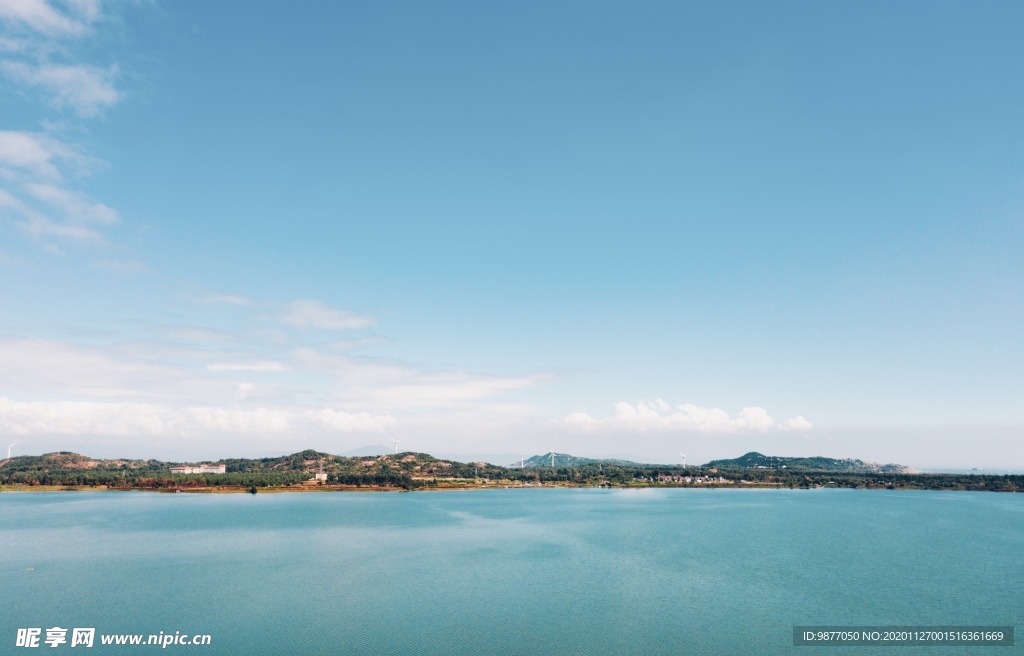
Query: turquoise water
<point>509,571</point>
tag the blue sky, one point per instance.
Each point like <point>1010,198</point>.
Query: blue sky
<point>608,229</point>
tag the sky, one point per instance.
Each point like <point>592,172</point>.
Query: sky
<point>611,229</point>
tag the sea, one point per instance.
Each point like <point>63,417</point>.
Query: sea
<point>506,571</point>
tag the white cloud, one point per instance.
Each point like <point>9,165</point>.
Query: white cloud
<point>78,418</point>
<point>213,298</point>
<point>580,421</point>
<point>307,314</point>
<point>40,226</point>
<point>85,89</point>
<point>76,206</point>
<point>798,424</point>
<point>39,16</point>
<point>32,153</point>
<point>219,420</point>
<point>57,369</point>
<point>243,391</point>
<point>348,422</point>
<point>386,384</point>
<point>658,415</point>
<point>754,419</point>
<point>30,164</point>
<point>247,366</point>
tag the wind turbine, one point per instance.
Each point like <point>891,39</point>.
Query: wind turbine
<point>396,444</point>
<point>683,455</point>
<point>9,450</point>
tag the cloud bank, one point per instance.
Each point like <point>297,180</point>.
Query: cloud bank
<point>135,420</point>
<point>211,384</point>
<point>658,415</point>
<point>282,379</point>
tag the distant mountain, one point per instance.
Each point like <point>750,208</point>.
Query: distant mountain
<point>67,460</point>
<point>375,460</point>
<point>755,460</point>
<point>566,460</point>
<point>302,462</point>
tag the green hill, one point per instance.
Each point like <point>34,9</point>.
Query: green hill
<point>67,468</point>
<point>566,460</point>
<point>755,460</point>
<point>412,471</point>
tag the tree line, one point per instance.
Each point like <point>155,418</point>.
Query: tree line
<point>270,472</point>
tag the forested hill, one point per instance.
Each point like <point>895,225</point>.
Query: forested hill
<point>313,470</point>
<point>67,460</point>
<point>755,460</point>
<point>566,460</point>
<point>67,468</point>
<point>296,465</point>
<point>300,461</point>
